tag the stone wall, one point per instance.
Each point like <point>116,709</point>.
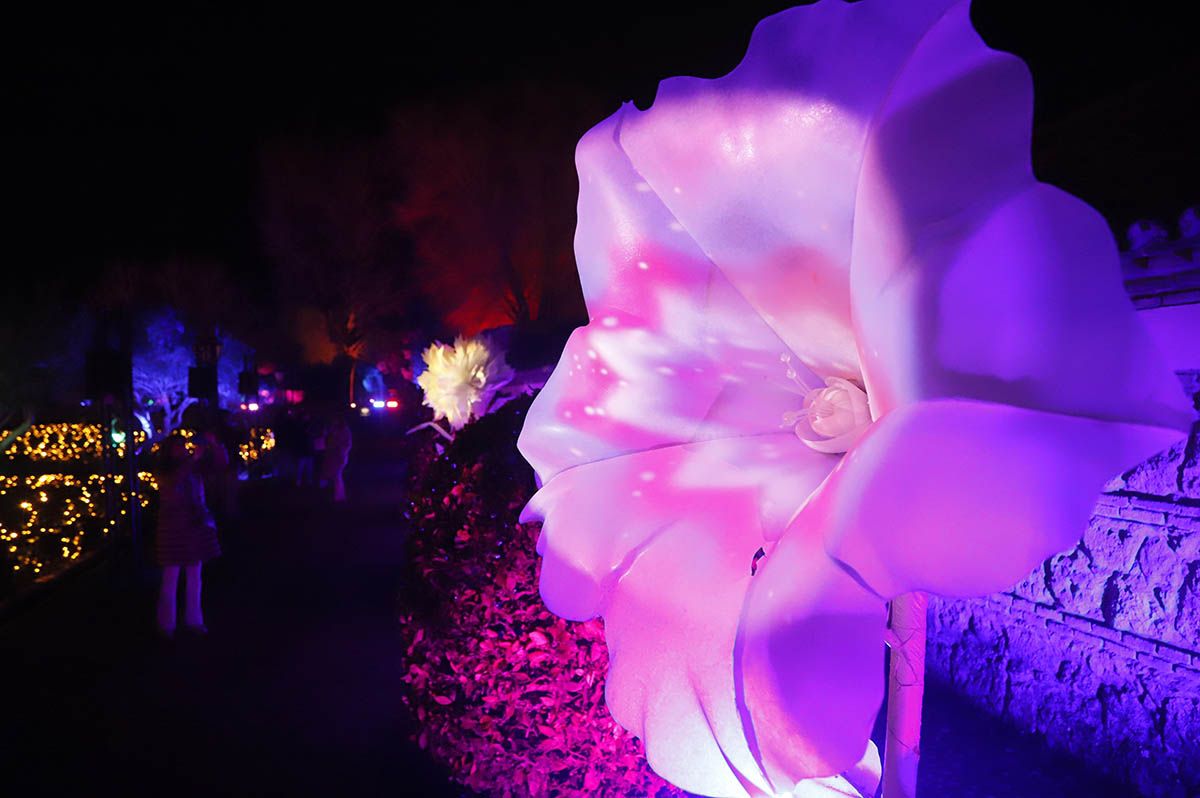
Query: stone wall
<point>1099,648</point>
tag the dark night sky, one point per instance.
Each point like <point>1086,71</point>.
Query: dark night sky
<point>136,134</point>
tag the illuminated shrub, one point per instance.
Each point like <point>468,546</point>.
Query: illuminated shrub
<point>47,521</point>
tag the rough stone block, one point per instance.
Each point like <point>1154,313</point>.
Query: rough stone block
<point>1109,505</point>
<point>1145,516</point>
<point>1034,588</point>
<point>1187,617</point>
<point>1157,476</point>
<point>1076,581</point>
<point>1182,510</point>
<point>1139,644</point>
<point>1112,545</point>
<point>1076,622</point>
<point>1131,604</point>
<point>1106,633</point>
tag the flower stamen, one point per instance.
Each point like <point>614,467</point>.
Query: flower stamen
<point>832,418</point>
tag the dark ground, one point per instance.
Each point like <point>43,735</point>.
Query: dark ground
<point>297,689</point>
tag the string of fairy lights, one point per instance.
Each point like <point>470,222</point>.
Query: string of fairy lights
<point>53,518</point>
<point>66,443</point>
<point>48,520</point>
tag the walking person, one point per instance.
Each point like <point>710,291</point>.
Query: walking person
<point>186,539</point>
<point>337,453</point>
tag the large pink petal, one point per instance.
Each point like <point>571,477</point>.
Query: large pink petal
<point>969,277</point>
<point>670,627</point>
<point>598,518</point>
<point>672,353</point>
<point>661,544</point>
<point>809,660</point>
<point>761,166</point>
<point>962,498</point>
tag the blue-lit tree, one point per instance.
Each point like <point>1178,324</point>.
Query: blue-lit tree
<point>162,354</point>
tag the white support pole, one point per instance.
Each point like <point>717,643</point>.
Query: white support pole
<point>906,690</point>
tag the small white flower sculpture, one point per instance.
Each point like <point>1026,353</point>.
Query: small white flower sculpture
<point>834,316</point>
<point>462,381</point>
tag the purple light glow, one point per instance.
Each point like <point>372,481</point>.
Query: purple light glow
<point>816,216</point>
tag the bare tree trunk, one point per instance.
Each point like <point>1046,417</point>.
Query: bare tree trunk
<point>174,416</point>
<point>906,689</point>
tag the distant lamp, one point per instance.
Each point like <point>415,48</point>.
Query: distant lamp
<point>252,407</point>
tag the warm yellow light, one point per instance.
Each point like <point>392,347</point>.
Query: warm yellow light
<point>71,499</point>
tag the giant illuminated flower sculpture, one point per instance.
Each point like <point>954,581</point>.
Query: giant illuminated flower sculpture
<point>838,247</point>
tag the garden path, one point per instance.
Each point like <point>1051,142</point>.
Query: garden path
<point>296,690</point>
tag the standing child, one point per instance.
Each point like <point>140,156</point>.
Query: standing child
<point>187,537</point>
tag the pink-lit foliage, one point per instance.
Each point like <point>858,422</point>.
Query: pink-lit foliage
<point>849,216</point>
<point>509,697</point>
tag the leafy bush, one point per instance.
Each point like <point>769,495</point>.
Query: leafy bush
<point>507,695</point>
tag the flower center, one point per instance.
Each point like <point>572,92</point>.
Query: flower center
<point>833,417</point>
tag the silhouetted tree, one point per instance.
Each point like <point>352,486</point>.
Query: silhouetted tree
<point>334,247</point>
<point>489,203</point>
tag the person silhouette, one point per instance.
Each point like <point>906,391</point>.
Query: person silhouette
<point>186,538</point>
<point>337,452</point>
